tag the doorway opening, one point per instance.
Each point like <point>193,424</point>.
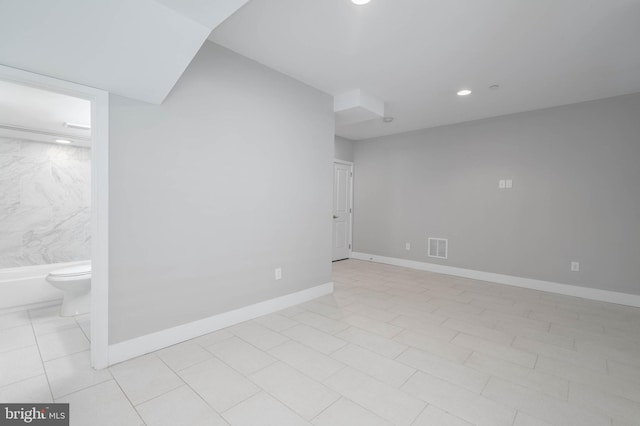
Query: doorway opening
<point>42,138</point>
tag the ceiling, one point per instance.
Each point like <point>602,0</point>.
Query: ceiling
<point>36,114</point>
<point>138,49</point>
<point>416,54</point>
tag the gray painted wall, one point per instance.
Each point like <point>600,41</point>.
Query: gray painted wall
<point>575,195</point>
<point>45,203</point>
<point>209,192</point>
<point>343,149</point>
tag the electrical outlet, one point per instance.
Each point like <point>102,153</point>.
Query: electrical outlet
<point>278,273</point>
<point>575,266</point>
<point>407,246</point>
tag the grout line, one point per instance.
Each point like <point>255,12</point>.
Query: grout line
<point>202,398</point>
<point>278,346</point>
<point>88,387</point>
<point>485,383</point>
<point>247,376</point>
<point>515,417</point>
<point>88,336</point>
<point>35,337</point>
<point>221,413</point>
<point>334,374</point>
<point>194,340</point>
<point>130,402</point>
<point>324,409</point>
<point>69,354</point>
<point>469,356</point>
<point>427,404</point>
<point>416,371</point>
<point>159,395</point>
<point>265,351</point>
<point>401,353</point>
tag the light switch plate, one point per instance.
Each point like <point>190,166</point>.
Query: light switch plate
<point>502,184</point>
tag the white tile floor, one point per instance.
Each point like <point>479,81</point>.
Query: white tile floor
<point>390,346</point>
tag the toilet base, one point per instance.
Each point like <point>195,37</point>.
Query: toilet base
<point>75,304</point>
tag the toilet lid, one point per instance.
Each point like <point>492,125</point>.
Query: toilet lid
<point>72,271</point>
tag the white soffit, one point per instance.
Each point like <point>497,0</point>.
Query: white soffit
<point>357,106</point>
<point>138,49</point>
<point>36,114</point>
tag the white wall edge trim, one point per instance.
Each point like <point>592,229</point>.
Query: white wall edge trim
<point>152,342</point>
<point>529,283</point>
<point>99,198</point>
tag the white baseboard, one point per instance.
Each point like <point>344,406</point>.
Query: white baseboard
<point>152,342</point>
<point>565,289</point>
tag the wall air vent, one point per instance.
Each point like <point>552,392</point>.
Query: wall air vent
<point>438,248</point>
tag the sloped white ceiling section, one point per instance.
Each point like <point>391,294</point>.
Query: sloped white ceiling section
<point>138,49</point>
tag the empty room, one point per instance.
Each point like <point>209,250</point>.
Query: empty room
<point>330,212</point>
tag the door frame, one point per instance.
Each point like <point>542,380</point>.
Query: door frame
<point>99,198</point>
<point>351,171</point>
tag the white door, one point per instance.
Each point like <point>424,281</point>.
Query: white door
<point>342,200</point>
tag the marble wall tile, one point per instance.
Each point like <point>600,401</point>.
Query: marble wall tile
<point>9,145</point>
<point>45,203</point>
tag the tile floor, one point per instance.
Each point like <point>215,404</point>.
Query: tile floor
<point>390,346</point>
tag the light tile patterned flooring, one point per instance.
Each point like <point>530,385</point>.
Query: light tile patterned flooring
<point>390,346</point>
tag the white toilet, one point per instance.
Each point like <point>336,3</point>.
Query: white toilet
<point>75,283</point>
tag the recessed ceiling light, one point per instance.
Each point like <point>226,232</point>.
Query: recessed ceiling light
<point>360,2</point>
<point>63,141</point>
<point>77,126</point>
<point>464,92</point>
<point>387,119</point>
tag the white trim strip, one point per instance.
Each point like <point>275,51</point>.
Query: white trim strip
<point>100,231</point>
<point>548,286</point>
<point>152,342</point>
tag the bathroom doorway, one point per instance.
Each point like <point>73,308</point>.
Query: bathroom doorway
<point>64,160</point>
